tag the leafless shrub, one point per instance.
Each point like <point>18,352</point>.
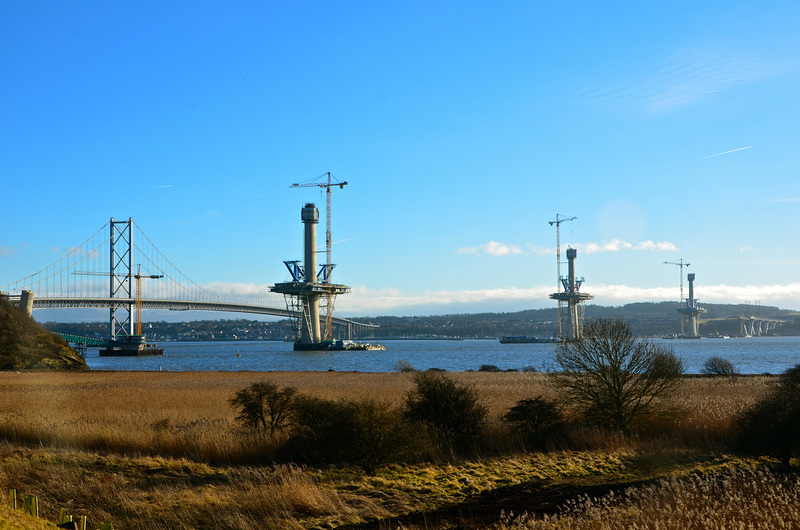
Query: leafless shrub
<point>772,425</point>
<point>612,378</point>
<point>450,410</point>
<point>264,406</point>
<point>718,366</point>
<point>538,421</point>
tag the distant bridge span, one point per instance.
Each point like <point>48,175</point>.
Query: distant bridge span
<point>178,305</point>
<point>100,273</point>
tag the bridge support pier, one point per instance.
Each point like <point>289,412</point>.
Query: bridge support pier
<point>574,299</point>
<point>306,289</point>
<point>26,302</point>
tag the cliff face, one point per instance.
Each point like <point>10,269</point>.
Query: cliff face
<point>25,345</point>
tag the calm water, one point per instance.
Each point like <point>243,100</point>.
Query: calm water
<point>749,355</point>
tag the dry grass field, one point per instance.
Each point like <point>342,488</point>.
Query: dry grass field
<point>163,450</point>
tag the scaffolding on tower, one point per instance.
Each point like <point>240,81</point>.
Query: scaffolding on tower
<point>561,314</point>
<point>327,302</point>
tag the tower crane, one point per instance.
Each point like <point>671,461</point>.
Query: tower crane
<point>138,276</point>
<point>680,264</point>
<point>328,184</point>
<point>557,221</point>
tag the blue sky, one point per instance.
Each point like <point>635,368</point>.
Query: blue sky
<point>670,131</point>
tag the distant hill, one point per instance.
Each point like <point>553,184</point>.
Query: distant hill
<point>25,345</point>
<point>647,319</point>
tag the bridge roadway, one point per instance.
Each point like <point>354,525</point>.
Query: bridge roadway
<point>179,305</point>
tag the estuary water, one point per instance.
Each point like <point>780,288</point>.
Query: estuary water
<point>750,356</point>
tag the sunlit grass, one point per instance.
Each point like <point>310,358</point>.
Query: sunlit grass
<point>163,450</point>
<point>751,497</point>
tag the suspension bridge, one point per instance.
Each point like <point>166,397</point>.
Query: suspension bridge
<point>119,268</point>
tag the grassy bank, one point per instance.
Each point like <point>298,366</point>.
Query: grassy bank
<point>163,450</point>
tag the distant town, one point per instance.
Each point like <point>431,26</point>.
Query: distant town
<point>646,320</point>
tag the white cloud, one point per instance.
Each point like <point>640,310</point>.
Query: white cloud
<point>766,294</point>
<point>616,245</point>
<point>660,246</point>
<point>6,250</point>
<point>495,248</point>
<point>245,293</point>
<point>492,248</point>
<point>683,79</point>
<point>699,74</point>
<point>541,251</point>
<point>392,301</point>
<point>365,301</point>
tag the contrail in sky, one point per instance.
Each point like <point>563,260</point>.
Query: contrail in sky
<point>718,154</point>
<point>685,162</point>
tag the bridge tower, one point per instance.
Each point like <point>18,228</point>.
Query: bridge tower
<point>690,309</point>
<point>308,285</point>
<point>574,298</point>
<point>120,278</point>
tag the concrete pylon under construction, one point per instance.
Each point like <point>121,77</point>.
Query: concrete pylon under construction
<point>689,308</point>
<point>573,297</point>
<point>310,217</point>
<point>303,293</point>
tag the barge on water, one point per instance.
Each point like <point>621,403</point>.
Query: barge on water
<point>123,346</point>
<point>337,345</point>
<point>130,346</point>
<point>529,340</point>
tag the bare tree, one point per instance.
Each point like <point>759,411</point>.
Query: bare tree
<point>612,377</point>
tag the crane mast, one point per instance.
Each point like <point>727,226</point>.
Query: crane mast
<point>328,263</point>
<point>557,222</point>
<point>680,264</point>
<point>138,276</point>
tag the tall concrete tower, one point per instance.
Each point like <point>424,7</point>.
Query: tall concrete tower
<point>690,309</point>
<point>573,297</point>
<point>303,293</point>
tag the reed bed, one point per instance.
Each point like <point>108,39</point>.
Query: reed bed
<point>157,493</point>
<point>187,414</point>
<point>752,498</point>
<point>163,450</point>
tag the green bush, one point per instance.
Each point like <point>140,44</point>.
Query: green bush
<point>264,407</point>
<point>449,410</point>
<point>538,421</point>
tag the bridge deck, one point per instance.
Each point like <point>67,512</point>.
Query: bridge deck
<point>178,305</point>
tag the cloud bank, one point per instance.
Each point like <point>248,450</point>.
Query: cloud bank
<point>498,249</point>
<point>363,301</point>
